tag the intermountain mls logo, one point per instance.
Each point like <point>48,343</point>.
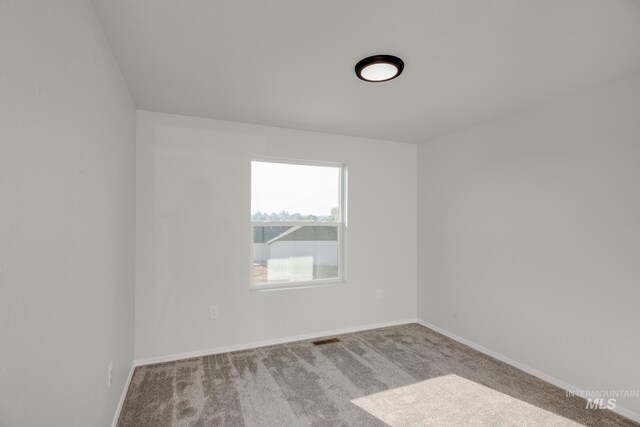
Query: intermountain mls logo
<point>602,399</point>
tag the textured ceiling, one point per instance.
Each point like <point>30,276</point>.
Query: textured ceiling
<point>290,63</point>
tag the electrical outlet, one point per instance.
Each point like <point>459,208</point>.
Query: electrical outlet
<point>213,312</point>
<point>379,294</point>
<point>109,374</point>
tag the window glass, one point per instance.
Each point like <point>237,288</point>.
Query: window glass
<point>296,223</point>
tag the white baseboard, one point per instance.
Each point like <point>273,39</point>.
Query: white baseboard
<point>123,396</point>
<point>257,344</point>
<point>634,416</point>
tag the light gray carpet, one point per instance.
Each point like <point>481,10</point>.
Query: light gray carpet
<point>401,375</point>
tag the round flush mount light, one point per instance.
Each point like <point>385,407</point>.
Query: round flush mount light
<point>379,68</point>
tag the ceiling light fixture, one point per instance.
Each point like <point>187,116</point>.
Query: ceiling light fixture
<point>379,68</point>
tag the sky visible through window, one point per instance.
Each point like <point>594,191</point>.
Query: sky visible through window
<point>295,189</point>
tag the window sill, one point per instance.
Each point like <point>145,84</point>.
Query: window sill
<point>296,285</point>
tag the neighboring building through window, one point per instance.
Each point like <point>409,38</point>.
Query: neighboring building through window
<point>296,217</point>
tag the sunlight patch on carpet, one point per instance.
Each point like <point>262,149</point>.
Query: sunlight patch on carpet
<point>451,400</point>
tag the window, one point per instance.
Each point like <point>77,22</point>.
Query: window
<point>297,223</point>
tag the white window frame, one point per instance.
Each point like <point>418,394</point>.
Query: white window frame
<point>340,225</point>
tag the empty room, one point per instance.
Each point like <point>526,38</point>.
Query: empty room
<point>319,213</point>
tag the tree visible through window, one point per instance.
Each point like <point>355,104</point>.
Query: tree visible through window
<point>296,217</point>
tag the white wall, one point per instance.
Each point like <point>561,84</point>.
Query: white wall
<point>67,200</point>
<point>193,230</point>
<point>529,237</point>
<point>323,252</point>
